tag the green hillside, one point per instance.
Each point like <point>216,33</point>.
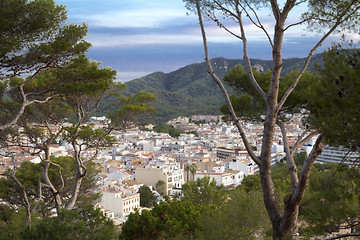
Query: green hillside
<point>191,90</point>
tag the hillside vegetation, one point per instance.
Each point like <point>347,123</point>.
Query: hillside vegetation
<point>190,90</point>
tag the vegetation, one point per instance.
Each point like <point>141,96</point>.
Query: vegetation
<point>170,129</point>
<point>34,38</point>
<point>240,213</point>
<point>275,96</point>
<point>204,192</point>
<point>45,80</point>
<point>28,175</point>
<point>169,219</point>
<point>336,113</point>
<point>83,223</point>
<point>147,197</point>
<point>160,187</point>
<point>181,93</point>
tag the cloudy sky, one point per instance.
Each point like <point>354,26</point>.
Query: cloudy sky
<point>137,37</point>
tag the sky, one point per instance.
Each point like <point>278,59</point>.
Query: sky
<point>138,37</point>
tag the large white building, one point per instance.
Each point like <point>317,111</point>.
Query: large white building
<point>121,203</point>
<point>337,155</point>
<point>247,166</point>
<point>224,178</point>
<point>171,174</point>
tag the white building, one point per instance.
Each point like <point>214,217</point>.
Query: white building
<point>171,174</point>
<point>237,176</point>
<point>337,155</point>
<point>147,145</point>
<point>248,167</point>
<point>121,203</point>
<point>224,178</point>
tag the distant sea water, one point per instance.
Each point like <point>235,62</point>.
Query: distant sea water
<point>128,76</point>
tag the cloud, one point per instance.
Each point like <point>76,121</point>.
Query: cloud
<point>141,36</point>
<point>151,18</point>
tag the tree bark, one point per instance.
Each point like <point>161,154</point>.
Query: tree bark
<point>54,191</point>
<point>25,199</point>
<point>283,220</point>
<point>81,172</point>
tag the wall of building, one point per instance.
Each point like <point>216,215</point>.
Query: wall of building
<point>150,176</point>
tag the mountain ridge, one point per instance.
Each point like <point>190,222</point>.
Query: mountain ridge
<point>191,90</point>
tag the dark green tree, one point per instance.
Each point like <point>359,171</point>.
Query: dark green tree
<point>18,190</point>
<point>331,201</point>
<point>12,222</point>
<point>251,183</point>
<point>147,197</point>
<point>34,38</point>
<point>242,216</point>
<point>161,187</point>
<point>131,110</point>
<point>190,169</point>
<point>27,192</point>
<point>84,223</point>
<point>204,192</point>
<point>336,113</point>
<point>170,129</point>
<point>169,219</point>
<point>83,86</point>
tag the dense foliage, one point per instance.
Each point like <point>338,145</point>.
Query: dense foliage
<point>160,187</point>
<point>45,80</point>
<point>34,38</point>
<point>337,112</point>
<point>170,129</point>
<point>169,219</point>
<point>29,173</point>
<point>147,197</point>
<point>330,204</point>
<point>84,223</point>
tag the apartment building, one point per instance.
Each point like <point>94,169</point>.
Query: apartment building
<point>120,202</point>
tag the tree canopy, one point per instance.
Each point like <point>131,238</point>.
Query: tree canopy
<point>336,113</point>
<point>34,38</point>
<point>45,81</point>
<point>147,197</point>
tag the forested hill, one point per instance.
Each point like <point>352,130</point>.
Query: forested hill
<point>191,90</point>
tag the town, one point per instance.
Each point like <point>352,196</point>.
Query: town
<point>208,147</point>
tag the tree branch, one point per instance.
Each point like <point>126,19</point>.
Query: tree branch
<point>301,141</point>
<point>259,25</point>
<point>221,85</point>
<point>93,156</point>
<point>343,236</point>
<point>40,196</point>
<point>307,61</point>
<point>55,192</point>
<point>25,201</point>
<point>295,24</point>
<point>305,171</point>
<point>60,175</point>
<point>248,63</point>
<point>275,9</point>
<point>289,158</point>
